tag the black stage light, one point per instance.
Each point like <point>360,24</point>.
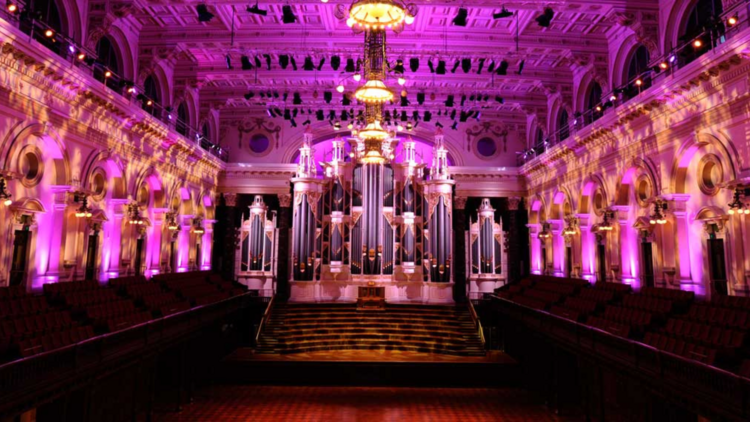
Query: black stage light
<point>415,115</point>
<point>429,64</point>
<point>228,58</point>
<point>335,62</point>
<point>262,94</point>
<point>503,68</point>
<point>275,94</point>
<point>344,115</point>
<point>449,101</point>
<point>327,97</point>
<point>321,63</point>
<point>246,65</point>
<point>349,66</point>
<point>545,18</point>
<point>294,63</point>
<point>404,117</point>
<point>287,114</point>
<point>440,67</point>
<point>306,122</point>
<point>472,97</point>
<point>345,100</point>
<point>481,66</point>
<point>257,11</point>
<point>308,64</point>
<point>453,115</point>
<point>466,65</point>
<point>492,67</point>
<point>271,113</point>
<point>455,125</point>
<point>286,95</point>
<point>319,115</point>
<point>287,15</point>
<point>268,61</point>
<point>331,115</point>
<point>520,66</point>
<point>420,98</point>
<point>295,112</point>
<point>438,124</point>
<point>427,116</point>
<point>283,61</point>
<point>257,61</point>
<point>463,100</point>
<point>455,66</point>
<point>294,124</point>
<point>414,64</point>
<point>203,14</point>
<point>399,68</point>
<point>297,99</point>
<point>460,19</point>
<point>249,95</point>
<point>486,97</point>
<point>404,101</point>
<point>505,13</point>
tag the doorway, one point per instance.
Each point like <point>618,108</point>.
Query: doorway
<point>91,256</point>
<point>172,257</point>
<point>198,256</point>
<point>568,261</point>
<point>544,260</point>
<point>138,255</point>
<point>717,266</point>
<point>21,242</point>
<point>647,253</point>
<point>601,263</point>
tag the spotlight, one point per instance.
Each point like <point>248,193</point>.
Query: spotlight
<point>345,100</point>
<point>287,114</point>
<point>663,65</point>
<point>409,126</point>
<point>12,7</point>
<point>321,63</point>
<point>613,98</point>
<point>520,66</point>
<point>108,74</point>
<point>409,19</point>
<point>283,61</point>
<point>246,65</point>
<point>427,116</point>
<point>420,98</point>
<point>81,56</point>
<point>505,13</point>
<point>731,21</point>
<point>466,65</point>
<point>203,14</point>
<point>399,68</point>
<point>545,18</point>
<point>449,101</point>
<point>455,66</point>
<point>297,100</point>
<point>308,64</point>
<point>672,59</point>
<point>357,77</point>
<point>698,43</point>
<point>249,95</point>
<point>404,101</point>
<point>287,15</point>
<point>503,68</point>
<point>598,108</point>
<point>255,10</point>
<point>638,82</point>
<point>460,19</point>
<point>401,81</point>
<point>337,126</point>
<point>414,64</point>
<point>327,97</point>
<point>228,58</point>
<point>340,88</point>
<point>49,33</point>
<point>319,115</point>
<point>349,66</point>
<point>335,62</point>
<point>149,102</point>
<point>440,68</point>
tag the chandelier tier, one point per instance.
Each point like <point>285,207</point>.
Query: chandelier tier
<point>376,14</point>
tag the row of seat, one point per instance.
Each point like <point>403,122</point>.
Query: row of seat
<point>111,309</point>
<point>682,348</point>
<point>653,305</point>
<point>12,292</point>
<point>616,328</point>
<point>723,317</point>
<point>166,302</point>
<point>678,297</point>
<point>24,326</point>
<point>717,337</point>
<point>734,302</point>
<point>128,320</point>
<point>597,295</point>
<point>54,290</point>
<point>22,306</point>
<point>32,346</point>
<point>124,281</point>
<point>86,298</point>
<point>635,318</point>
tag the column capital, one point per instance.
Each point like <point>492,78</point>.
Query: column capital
<point>459,202</point>
<point>230,199</point>
<point>514,202</point>
<point>285,200</point>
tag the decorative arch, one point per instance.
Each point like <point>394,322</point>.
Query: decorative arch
<point>114,170</point>
<point>562,204</point>
<point>163,83</point>
<point>186,201</point>
<point>626,187</point>
<point>622,60</point>
<point>151,178</point>
<point>591,185</point>
<point>537,210</point>
<point>704,142</point>
<point>53,148</point>
<point>28,205</point>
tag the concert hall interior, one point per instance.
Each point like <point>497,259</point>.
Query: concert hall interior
<point>374,210</point>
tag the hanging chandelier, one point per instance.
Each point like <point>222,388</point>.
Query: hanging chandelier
<point>378,14</point>
<point>374,91</point>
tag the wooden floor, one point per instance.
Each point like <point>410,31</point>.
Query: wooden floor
<point>244,354</point>
<point>354,404</point>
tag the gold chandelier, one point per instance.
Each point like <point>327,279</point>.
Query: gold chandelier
<point>374,92</point>
<point>376,14</point>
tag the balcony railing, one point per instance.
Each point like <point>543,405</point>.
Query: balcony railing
<point>86,61</point>
<point>660,69</point>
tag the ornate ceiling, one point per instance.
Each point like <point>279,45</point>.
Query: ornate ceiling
<point>578,36</point>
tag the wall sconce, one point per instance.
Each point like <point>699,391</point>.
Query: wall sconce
<point>571,226</point>
<point>172,223</point>
<point>607,224</point>
<point>737,207</point>
<point>134,214</point>
<point>658,216</point>
<point>197,227</point>
<point>84,211</point>
<point>545,233</point>
<point>4,194</point>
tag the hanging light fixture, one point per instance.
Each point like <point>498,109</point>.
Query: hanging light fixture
<point>84,211</point>
<point>172,223</point>
<point>376,14</point>
<point>571,225</point>
<point>4,195</point>
<point>658,217</point>
<point>374,91</point>
<point>134,214</point>
<point>736,207</point>
<point>607,223</point>
<point>197,226</point>
<point>545,233</point>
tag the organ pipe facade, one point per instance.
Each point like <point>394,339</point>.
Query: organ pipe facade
<point>486,250</point>
<point>256,261</point>
<point>369,219</point>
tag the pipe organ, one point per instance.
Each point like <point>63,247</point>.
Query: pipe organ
<point>486,252</point>
<point>370,220</point>
<point>257,247</point>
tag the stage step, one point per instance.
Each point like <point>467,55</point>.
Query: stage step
<point>300,328</point>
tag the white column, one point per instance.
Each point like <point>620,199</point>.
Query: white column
<point>536,248</point>
<point>112,243</point>
<point>588,248</point>
<point>629,260</point>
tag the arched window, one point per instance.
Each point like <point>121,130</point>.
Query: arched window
<point>108,60</point>
<point>206,132</point>
<point>592,100</point>
<point>151,90</point>
<point>183,120</point>
<point>702,17</point>
<point>636,67</point>
<point>539,141</point>
<point>48,12</point>
<point>562,125</point>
